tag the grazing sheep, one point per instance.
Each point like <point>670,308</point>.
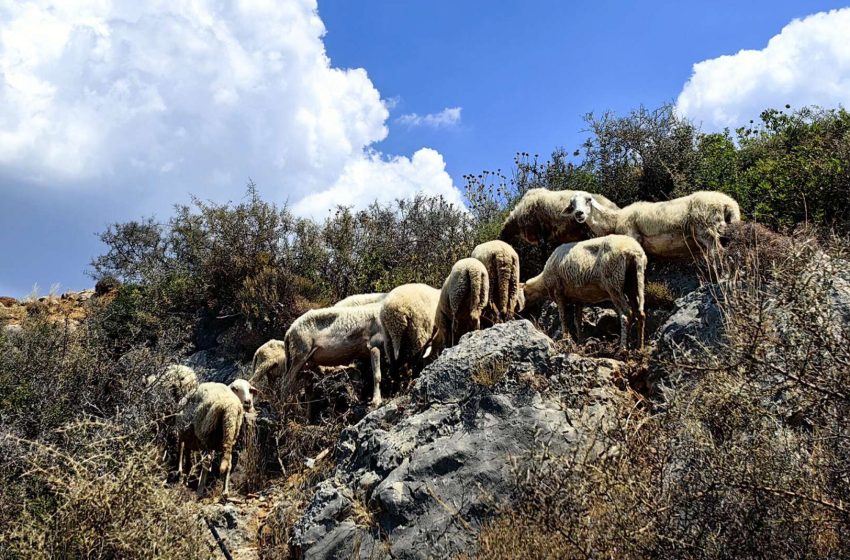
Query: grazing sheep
<point>178,380</point>
<point>269,361</point>
<point>609,268</point>
<point>462,299</point>
<point>538,217</point>
<point>209,420</point>
<point>361,299</point>
<point>664,229</point>
<point>333,336</point>
<point>407,320</point>
<point>502,264</point>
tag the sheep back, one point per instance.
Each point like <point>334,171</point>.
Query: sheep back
<point>211,419</point>
<point>502,263</point>
<point>538,216</point>
<point>407,318</point>
<point>361,299</point>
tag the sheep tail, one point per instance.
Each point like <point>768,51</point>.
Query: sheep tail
<point>504,276</point>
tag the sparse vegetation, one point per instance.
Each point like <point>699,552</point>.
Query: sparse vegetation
<point>741,453</point>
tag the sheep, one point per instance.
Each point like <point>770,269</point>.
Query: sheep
<point>664,229</point>
<point>502,264</point>
<point>210,418</point>
<point>269,361</point>
<point>177,379</point>
<point>538,217</point>
<point>407,321</point>
<point>333,336</point>
<point>464,295</point>
<point>361,299</point>
<point>609,268</point>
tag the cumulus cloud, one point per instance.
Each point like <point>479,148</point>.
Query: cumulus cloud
<point>448,117</point>
<point>807,63</point>
<point>193,95</point>
<point>425,172</point>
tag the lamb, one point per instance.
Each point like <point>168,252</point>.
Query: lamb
<point>361,299</point>
<point>664,229</point>
<point>538,217</point>
<point>502,264</point>
<point>333,336</point>
<point>407,322</point>
<point>177,379</point>
<point>268,361</point>
<point>462,299</point>
<point>209,420</point>
<point>609,268</point>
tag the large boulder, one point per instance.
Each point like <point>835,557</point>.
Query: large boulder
<point>418,477</point>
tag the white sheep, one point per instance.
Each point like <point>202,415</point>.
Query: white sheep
<point>502,263</point>
<point>664,229</point>
<point>210,418</point>
<point>609,268</point>
<point>407,320</point>
<point>538,217</point>
<point>178,380</point>
<point>361,299</point>
<point>333,336</point>
<point>464,295</point>
<point>269,361</point>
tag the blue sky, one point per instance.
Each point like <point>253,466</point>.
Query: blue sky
<point>109,113</point>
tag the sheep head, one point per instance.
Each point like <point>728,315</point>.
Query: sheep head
<point>245,391</point>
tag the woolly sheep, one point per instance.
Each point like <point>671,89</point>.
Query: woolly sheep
<point>407,321</point>
<point>502,264</point>
<point>462,299</point>
<point>664,229</point>
<point>361,299</point>
<point>177,379</point>
<point>210,419</point>
<point>333,336</point>
<point>269,361</point>
<point>609,268</point>
<point>538,217</point>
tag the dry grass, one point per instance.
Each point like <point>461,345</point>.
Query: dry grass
<point>490,373</point>
<point>99,496</point>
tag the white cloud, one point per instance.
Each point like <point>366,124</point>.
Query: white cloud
<point>191,95</point>
<point>448,117</point>
<point>807,63</point>
<point>424,173</point>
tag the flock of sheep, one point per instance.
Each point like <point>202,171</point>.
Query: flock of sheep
<point>415,321</point>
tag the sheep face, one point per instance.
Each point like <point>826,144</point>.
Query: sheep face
<point>581,204</point>
<point>245,391</point>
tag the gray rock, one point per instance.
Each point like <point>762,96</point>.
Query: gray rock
<point>212,367</point>
<point>418,478</point>
<point>696,324</point>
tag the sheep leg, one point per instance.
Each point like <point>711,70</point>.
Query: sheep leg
<point>578,315</point>
<point>621,304</point>
<point>203,480</point>
<point>226,491</point>
<point>180,459</point>
<point>562,311</point>
<point>375,353</point>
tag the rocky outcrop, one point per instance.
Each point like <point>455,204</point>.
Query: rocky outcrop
<point>417,477</point>
<point>71,308</point>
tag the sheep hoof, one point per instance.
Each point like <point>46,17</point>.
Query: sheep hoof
<point>375,403</point>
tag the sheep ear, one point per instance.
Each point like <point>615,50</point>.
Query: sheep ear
<point>232,388</point>
<point>253,390</point>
